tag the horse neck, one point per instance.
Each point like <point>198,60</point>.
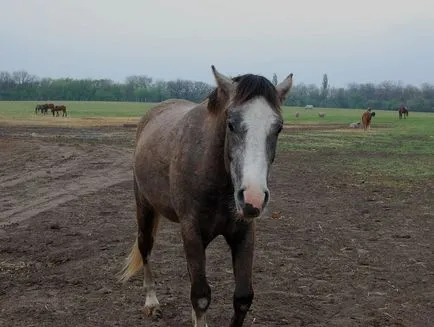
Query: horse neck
<point>216,127</point>
<point>214,146</point>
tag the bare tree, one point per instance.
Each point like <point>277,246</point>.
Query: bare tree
<point>274,80</point>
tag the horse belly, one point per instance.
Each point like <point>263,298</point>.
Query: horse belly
<point>154,150</point>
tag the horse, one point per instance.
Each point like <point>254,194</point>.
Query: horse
<point>45,109</point>
<point>38,108</point>
<point>403,111</point>
<point>42,108</point>
<point>206,166</point>
<point>56,110</point>
<point>366,119</point>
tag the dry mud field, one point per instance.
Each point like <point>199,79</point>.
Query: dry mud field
<point>343,251</point>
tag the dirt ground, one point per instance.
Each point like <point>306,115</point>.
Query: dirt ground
<point>344,251</point>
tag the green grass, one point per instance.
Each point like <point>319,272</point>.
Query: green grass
<point>393,150</point>
<point>24,109</point>
<point>382,141</point>
<point>346,116</point>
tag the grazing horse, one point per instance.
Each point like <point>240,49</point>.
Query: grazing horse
<point>38,108</point>
<point>366,119</point>
<point>403,111</point>
<point>43,108</point>
<point>206,167</point>
<point>47,106</point>
<point>56,110</point>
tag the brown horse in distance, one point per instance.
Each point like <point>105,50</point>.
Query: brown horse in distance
<point>366,118</point>
<point>57,109</point>
<point>43,108</point>
<point>39,107</point>
<point>403,111</point>
<point>206,167</point>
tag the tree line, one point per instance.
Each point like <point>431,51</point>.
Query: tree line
<point>21,85</point>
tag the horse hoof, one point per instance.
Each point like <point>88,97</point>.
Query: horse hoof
<point>153,311</point>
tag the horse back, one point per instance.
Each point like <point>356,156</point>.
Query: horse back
<point>162,117</point>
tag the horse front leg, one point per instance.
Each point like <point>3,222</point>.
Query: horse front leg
<point>200,292</point>
<point>242,243</point>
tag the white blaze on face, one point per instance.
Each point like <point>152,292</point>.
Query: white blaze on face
<point>258,119</point>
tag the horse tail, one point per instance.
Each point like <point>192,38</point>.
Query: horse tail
<point>133,264</point>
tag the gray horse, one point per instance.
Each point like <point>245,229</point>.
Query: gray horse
<point>206,167</point>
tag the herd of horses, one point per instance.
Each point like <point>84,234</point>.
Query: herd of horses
<point>367,116</point>
<point>43,109</point>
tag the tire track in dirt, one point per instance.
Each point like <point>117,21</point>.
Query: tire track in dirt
<point>77,172</point>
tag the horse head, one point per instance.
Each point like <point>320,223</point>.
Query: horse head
<point>250,105</point>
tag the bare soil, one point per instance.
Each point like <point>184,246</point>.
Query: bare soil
<point>334,249</point>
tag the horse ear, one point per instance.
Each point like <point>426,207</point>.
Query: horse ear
<point>284,87</point>
<point>223,82</point>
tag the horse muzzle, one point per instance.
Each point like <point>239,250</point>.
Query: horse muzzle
<point>251,203</point>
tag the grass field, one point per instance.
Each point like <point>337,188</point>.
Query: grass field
<point>403,149</point>
<point>79,113</point>
<point>24,111</point>
<point>351,244</point>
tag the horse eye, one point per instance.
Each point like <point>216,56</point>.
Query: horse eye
<point>279,130</point>
<point>231,127</point>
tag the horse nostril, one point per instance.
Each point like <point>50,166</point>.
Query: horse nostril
<point>240,196</point>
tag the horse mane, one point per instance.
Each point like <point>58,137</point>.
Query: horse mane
<point>248,86</point>
<point>216,100</point>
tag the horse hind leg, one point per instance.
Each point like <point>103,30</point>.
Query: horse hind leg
<point>147,221</point>
<point>146,237</point>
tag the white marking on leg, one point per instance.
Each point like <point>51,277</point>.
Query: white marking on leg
<point>198,322</point>
<point>151,299</point>
<point>202,303</point>
<point>149,286</point>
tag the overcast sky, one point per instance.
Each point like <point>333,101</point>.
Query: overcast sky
<point>360,41</point>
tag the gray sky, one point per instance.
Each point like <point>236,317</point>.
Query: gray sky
<point>351,41</point>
